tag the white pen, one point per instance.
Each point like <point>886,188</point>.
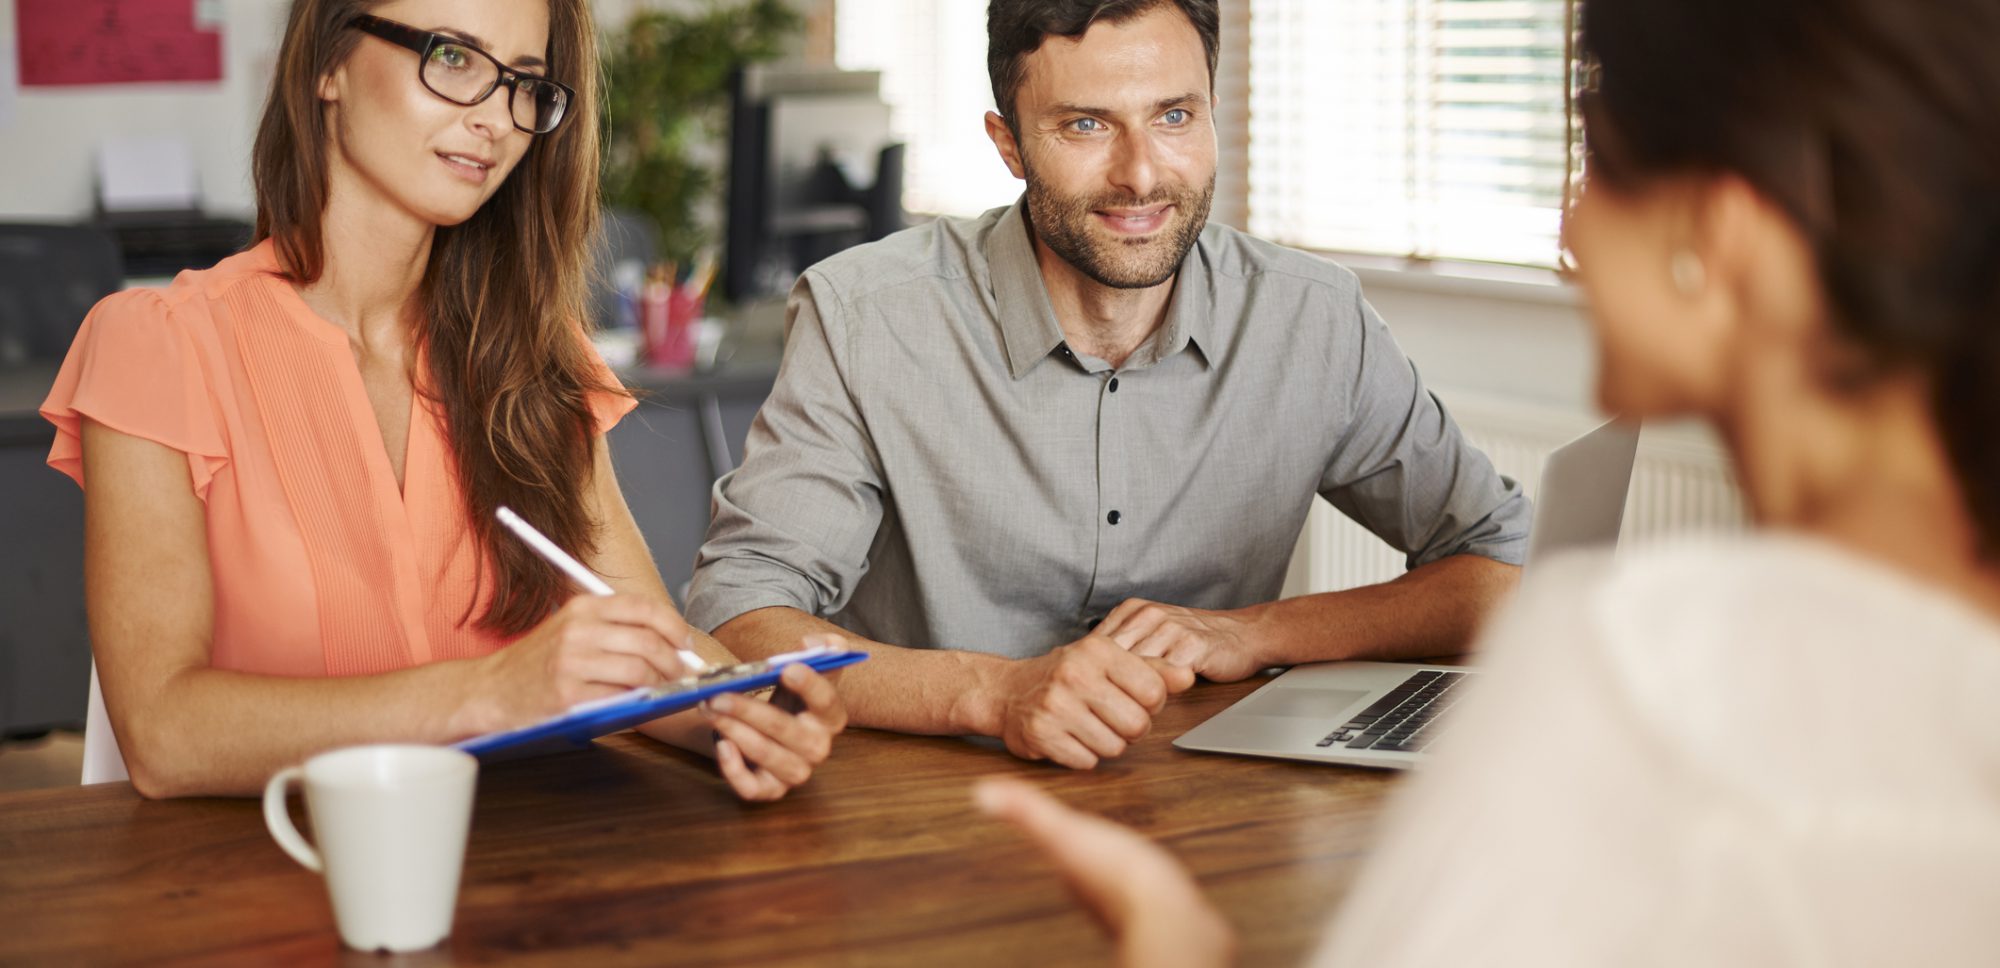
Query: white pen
<point>572,567</point>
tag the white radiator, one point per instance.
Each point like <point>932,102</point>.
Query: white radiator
<point>1681,481</point>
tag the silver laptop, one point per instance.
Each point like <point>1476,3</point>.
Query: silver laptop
<point>1384,714</point>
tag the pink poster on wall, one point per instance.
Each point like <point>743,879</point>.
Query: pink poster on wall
<point>74,42</point>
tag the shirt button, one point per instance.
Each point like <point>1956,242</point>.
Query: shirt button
<point>1113,517</point>
<point>1114,384</point>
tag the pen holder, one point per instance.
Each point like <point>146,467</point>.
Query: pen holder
<point>670,326</point>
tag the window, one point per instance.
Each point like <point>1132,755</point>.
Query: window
<point>1423,128</point>
<point>1432,129</point>
<point>932,55</point>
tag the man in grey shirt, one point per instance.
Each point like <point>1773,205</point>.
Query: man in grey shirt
<point>1059,454</point>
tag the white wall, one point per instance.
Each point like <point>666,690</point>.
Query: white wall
<point>47,151</point>
<point>1526,343</point>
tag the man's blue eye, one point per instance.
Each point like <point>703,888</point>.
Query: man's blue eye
<point>1177,116</point>
<point>1085,125</point>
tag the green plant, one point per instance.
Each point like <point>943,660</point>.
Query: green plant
<point>667,108</point>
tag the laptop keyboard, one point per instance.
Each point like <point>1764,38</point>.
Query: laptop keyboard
<point>1405,719</point>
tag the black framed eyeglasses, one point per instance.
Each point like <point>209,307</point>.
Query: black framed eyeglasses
<point>463,74</point>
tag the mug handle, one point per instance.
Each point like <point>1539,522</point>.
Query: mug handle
<point>280,822</point>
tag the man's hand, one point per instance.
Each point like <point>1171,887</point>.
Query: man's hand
<point>765,749</point>
<point>1218,645</point>
<point>1144,898</point>
<point>1083,702</point>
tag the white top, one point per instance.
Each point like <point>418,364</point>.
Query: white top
<point>1749,751</point>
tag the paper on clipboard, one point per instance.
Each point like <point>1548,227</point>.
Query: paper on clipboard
<point>584,722</point>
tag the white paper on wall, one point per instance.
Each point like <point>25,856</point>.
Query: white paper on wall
<point>147,174</point>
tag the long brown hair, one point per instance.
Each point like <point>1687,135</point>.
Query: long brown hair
<point>1872,125</point>
<point>503,296</point>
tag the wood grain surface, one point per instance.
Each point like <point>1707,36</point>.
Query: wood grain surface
<point>634,853</point>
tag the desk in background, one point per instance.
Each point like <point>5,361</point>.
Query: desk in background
<point>634,853</point>
<point>44,644</point>
<point>688,430</point>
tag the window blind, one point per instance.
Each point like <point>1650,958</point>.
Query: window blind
<point>1432,129</point>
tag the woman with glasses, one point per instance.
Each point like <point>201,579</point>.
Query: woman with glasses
<point>1779,749</point>
<point>293,459</point>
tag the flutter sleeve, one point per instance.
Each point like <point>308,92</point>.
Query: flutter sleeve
<point>134,369</point>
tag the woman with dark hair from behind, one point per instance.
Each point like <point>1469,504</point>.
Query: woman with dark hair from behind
<point>294,457</point>
<point>1782,748</point>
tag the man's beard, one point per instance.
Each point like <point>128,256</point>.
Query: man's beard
<point>1064,223</point>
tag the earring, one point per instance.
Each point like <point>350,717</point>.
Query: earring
<point>1689,274</point>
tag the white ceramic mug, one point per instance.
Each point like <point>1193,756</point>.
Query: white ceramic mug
<point>391,824</point>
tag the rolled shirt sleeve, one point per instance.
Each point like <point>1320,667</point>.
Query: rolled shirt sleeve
<point>792,526</point>
<point>1404,471</point>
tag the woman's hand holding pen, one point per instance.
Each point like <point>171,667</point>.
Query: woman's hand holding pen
<point>764,749</point>
<point>602,644</point>
<point>592,647</point>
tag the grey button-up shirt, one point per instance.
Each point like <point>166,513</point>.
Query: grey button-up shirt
<point>936,468</point>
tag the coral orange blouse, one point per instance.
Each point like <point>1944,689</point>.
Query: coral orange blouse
<point>320,566</point>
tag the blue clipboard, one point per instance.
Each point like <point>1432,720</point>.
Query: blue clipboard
<point>584,722</point>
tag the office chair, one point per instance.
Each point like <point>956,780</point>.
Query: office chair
<point>885,197</point>
<point>50,276</point>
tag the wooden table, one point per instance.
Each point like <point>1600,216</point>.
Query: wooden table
<point>634,853</point>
